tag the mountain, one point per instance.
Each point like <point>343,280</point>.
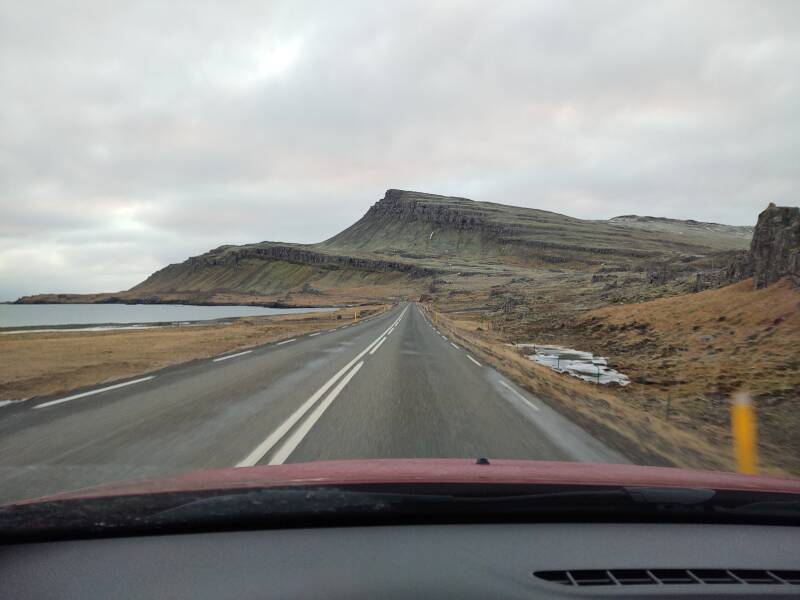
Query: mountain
<point>709,233</point>
<point>432,226</point>
<point>409,238</point>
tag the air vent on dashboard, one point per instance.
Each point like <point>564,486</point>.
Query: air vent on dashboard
<point>597,577</point>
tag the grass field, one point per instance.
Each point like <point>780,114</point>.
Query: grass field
<point>37,364</point>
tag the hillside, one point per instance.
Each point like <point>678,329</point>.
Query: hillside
<point>408,239</point>
<point>715,234</point>
<point>694,351</point>
<point>427,225</point>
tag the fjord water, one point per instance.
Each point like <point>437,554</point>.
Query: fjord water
<point>50,315</point>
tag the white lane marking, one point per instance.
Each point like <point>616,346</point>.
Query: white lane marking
<point>375,349</point>
<point>473,360</point>
<point>221,358</point>
<point>444,337</point>
<point>518,395</point>
<point>313,334</point>
<point>294,440</point>
<point>331,330</point>
<point>91,393</point>
<point>454,346</point>
<point>261,450</point>
<point>286,342</point>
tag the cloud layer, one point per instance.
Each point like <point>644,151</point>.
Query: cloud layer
<point>137,134</point>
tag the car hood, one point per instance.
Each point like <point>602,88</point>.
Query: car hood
<point>439,471</point>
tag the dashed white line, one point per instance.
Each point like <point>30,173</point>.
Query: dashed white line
<point>286,342</point>
<point>313,334</point>
<point>518,395</point>
<point>375,349</point>
<point>473,360</point>
<point>294,440</point>
<point>454,346</point>
<point>92,392</point>
<point>221,358</point>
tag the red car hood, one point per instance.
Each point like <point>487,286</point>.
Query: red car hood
<point>420,471</point>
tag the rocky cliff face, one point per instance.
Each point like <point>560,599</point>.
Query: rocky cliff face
<point>774,250</point>
<point>233,258</point>
<point>438,211</point>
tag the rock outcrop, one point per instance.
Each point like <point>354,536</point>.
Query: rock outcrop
<point>774,250</point>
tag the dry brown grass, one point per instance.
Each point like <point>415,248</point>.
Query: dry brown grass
<point>37,364</point>
<point>642,430</point>
<point>696,350</point>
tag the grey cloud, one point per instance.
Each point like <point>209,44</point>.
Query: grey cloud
<point>148,132</point>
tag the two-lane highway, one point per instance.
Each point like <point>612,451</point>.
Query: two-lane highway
<point>387,387</point>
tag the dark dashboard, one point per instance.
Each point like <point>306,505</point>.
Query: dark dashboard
<point>542,560</point>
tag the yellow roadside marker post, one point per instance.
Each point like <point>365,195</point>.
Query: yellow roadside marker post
<point>743,424</point>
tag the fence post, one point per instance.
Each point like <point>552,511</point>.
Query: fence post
<point>743,424</point>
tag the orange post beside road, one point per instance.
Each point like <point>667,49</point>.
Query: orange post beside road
<point>743,424</point>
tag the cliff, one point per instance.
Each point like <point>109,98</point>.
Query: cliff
<point>774,251</point>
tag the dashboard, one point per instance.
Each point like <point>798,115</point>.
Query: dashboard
<point>552,560</point>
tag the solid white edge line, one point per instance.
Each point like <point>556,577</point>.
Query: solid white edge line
<point>221,358</point>
<point>93,392</point>
<point>473,360</point>
<point>261,450</point>
<point>291,444</point>
<point>375,349</point>
<point>518,395</point>
<point>286,342</point>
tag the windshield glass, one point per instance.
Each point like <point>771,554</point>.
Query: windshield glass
<point>279,233</point>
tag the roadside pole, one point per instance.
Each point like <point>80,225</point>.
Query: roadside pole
<point>743,424</point>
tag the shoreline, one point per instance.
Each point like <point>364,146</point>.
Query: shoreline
<point>277,305</point>
<point>41,363</point>
<point>119,325</point>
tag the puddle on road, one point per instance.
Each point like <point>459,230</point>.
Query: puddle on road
<point>577,363</point>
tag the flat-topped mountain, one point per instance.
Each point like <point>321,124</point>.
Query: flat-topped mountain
<point>408,237</point>
<point>405,221</point>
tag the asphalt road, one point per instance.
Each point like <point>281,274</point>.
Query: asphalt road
<point>391,386</point>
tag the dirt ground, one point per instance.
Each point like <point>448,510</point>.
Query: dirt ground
<point>38,364</point>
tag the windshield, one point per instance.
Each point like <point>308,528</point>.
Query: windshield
<point>281,233</point>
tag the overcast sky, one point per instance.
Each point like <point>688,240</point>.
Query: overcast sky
<point>135,134</point>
